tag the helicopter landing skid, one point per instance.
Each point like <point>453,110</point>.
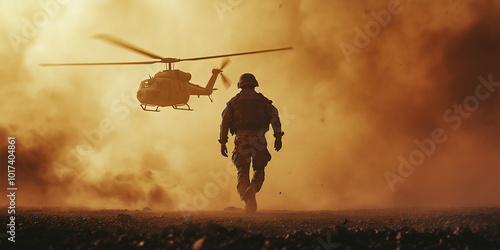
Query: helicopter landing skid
<point>182,107</point>
<point>145,107</point>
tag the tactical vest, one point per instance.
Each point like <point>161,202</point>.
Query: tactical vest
<point>250,112</point>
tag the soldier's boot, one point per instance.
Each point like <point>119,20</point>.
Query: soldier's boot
<point>249,198</point>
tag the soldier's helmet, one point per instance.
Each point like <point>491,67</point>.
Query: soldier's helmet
<point>247,79</point>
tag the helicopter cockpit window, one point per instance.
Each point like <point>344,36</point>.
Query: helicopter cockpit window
<point>147,84</point>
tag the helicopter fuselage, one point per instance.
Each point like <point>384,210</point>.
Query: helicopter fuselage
<point>171,88</point>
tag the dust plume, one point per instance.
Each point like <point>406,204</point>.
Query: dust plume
<point>352,104</point>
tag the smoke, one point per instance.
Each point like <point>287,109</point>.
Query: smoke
<point>349,117</point>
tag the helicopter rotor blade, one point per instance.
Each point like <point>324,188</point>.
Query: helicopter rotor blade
<point>235,54</point>
<point>224,63</point>
<point>160,59</point>
<point>111,63</point>
<point>225,81</point>
<point>126,45</point>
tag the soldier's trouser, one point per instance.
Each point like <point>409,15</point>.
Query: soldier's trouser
<point>250,149</point>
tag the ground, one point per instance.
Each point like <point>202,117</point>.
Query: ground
<point>405,228</point>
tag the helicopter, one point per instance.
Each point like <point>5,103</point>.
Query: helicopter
<point>170,87</point>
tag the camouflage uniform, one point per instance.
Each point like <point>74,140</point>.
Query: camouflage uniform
<point>250,142</point>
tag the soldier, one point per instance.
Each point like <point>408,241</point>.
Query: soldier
<point>248,115</point>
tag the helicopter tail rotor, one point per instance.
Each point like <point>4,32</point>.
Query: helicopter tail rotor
<point>225,81</point>
<point>224,63</point>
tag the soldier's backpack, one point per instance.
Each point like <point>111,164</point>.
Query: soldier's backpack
<point>250,112</point>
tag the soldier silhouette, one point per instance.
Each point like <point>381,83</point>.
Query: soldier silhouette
<point>248,115</point>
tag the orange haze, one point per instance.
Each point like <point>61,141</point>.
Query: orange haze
<point>352,104</point>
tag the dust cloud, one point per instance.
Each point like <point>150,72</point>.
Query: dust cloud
<point>366,84</point>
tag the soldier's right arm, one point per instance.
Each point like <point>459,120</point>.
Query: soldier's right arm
<point>275,120</point>
<point>226,120</point>
<point>276,124</point>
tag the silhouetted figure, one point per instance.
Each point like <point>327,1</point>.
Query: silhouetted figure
<point>248,115</point>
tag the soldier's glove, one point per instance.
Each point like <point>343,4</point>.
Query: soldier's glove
<point>223,149</point>
<point>278,144</point>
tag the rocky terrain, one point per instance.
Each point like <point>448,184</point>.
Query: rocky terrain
<point>408,228</point>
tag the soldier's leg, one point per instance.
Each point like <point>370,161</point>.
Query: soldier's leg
<point>259,174</point>
<point>259,160</point>
<point>262,157</point>
<point>241,159</point>
<point>243,167</point>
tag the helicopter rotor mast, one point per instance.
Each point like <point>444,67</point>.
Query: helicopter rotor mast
<point>169,61</point>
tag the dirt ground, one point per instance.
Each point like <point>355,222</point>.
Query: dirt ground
<point>408,228</point>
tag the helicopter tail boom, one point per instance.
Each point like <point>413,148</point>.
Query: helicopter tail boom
<point>211,82</point>
<point>207,90</point>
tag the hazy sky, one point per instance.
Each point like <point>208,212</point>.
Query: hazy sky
<point>384,103</point>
